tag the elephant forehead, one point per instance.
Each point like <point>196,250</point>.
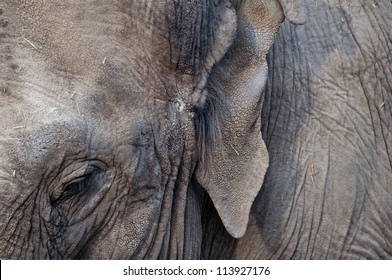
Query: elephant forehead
<point>111,44</point>
<point>48,121</point>
<point>141,48</point>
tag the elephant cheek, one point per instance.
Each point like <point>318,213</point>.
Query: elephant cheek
<point>125,236</point>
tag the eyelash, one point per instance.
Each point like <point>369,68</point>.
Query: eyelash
<point>79,185</point>
<point>75,188</point>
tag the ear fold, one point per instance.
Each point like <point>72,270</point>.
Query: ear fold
<point>294,11</point>
<point>238,160</point>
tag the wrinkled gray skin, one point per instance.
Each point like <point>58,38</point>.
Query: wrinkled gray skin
<point>327,124</point>
<point>105,142</point>
<point>119,117</point>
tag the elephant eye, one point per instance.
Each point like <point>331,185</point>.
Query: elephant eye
<point>78,181</point>
<point>76,187</point>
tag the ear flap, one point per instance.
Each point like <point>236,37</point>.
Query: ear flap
<point>235,175</point>
<point>234,171</point>
<point>294,11</point>
<point>238,160</point>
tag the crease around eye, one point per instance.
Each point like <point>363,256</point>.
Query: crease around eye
<point>75,187</point>
<point>78,181</point>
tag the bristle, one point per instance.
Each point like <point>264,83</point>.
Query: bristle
<point>207,123</point>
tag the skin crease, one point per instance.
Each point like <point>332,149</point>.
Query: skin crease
<point>98,135</point>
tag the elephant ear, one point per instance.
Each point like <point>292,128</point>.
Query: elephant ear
<point>294,11</point>
<point>235,171</point>
<point>233,156</point>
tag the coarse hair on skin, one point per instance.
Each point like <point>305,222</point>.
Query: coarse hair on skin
<point>209,116</point>
<point>207,128</point>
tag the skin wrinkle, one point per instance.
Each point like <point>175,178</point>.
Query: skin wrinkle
<point>178,219</point>
<point>45,224</point>
<point>21,207</point>
<point>112,215</point>
<point>116,240</point>
<point>31,224</point>
<point>164,213</point>
<point>106,225</point>
<point>312,226</point>
<point>353,221</point>
<point>323,205</point>
<point>164,224</point>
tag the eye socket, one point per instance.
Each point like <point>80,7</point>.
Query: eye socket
<point>79,186</point>
<point>77,179</point>
<point>76,187</point>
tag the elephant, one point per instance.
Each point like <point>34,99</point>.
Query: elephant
<point>154,129</point>
<point>327,125</point>
<point>120,118</point>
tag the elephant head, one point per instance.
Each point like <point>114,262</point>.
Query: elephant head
<point>110,112</point>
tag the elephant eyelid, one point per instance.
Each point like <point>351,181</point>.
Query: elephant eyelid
<point>73,188</point>
<point>77,186</point>
<point>75,179</point>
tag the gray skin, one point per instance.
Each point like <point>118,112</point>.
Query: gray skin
<point>106,143</point>
<point>119,117</point>
<point>327,123</point>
